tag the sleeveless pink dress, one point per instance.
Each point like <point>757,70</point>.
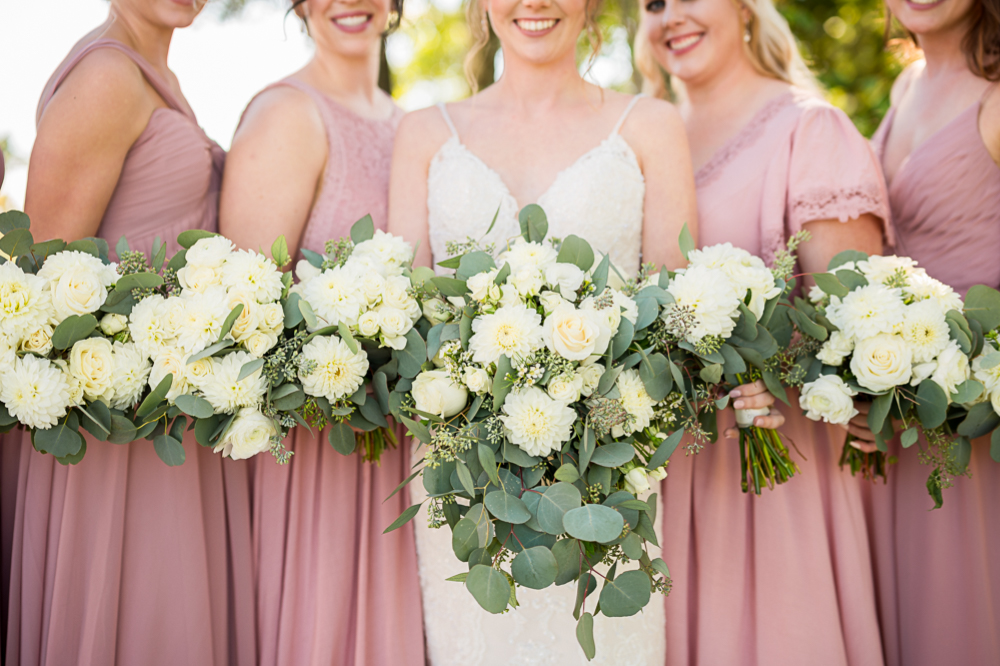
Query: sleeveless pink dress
<point>121,559</point>
<point>333,590</point>
<point>783,579</point>
<point>938,572</point>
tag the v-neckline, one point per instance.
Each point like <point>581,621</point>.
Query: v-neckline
<point>891,120</point>
<point>503,184</point>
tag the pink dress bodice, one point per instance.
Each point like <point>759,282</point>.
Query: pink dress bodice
<point>171,176</point>
<point>799,159</point>
<point>945,202</point>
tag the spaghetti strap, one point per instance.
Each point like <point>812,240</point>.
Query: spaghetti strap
<point>150,74</point>
<point>628,110</point>
<point>447,119</point>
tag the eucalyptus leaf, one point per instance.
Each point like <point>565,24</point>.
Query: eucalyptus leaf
<point>665,449</point>
<point>362,230</point>
<point>982,303</point>
<point>585,636</point>
<point>614,454</point>
<point>534,568</point>
<point>404,518</point>
<point>411,357</point>
<point>501,383</point>
<point>489,587</point>
<point>342,439</point>
<point>62,439</point>
<point>932,404</point>
<point>981,419</point>
<point>686,241</point>
<point>155,397</point>
<point>188,238</point>
<point>829,283</point>
<point>73,329</point>
<point>553,505</point>
<point>909,437</point>
<point>575,250</point>
<point>593,522</point>
<point>305,310</point>
<point>231,318</point>
<point>534,223</point>
<point>279,251</point>
<point>249,368</point>
<point>17,242</point>
<point>600,275</point>
<point>170,450</point>
<point>653,371</point>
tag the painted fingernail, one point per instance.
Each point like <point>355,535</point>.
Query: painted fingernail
<point>738,404</point>
<point>735,394</point>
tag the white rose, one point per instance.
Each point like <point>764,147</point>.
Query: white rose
<point>435,393</point>
<point>636,481</point>
<point>828,399</point>
<point>197,278</point>
<point>211,252</point>
<point>836,349</point>
<point>250,434</point>
<point>658,474</point>
<point>565,388</point>
<point>882,362</point>
<point>170,361</point>
<point>372,286</point>
<point>79,291</point>
<point>550,300</point>
<point>527,281</point>
<point>476,379</point>
<point>393,322</point>
<point>113,324</point>
<point>92,362</point>
<point>564,278</point>
<point>952,369</point>
<point>436,311</point>
<point>483,287</point>
<point>271,317</point>
<point>368,324</point>
<point>396,294</point>
<point>259,343</point>
<point>305,271</point>
<point>576,334</point>
<point>39,341</point>
<point>199,371</point>
<point>590,376</point>
<point>248,320</point>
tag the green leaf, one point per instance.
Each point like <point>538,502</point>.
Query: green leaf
<point>880,410</point>
<point>170,450</point>
<point>314,258</point>
<point>138,281</point>
<point>587,445</point>
<point>489,587</point>
<point>178,261</point>
<point>553,505</point>
<point>995,445</point>
<point>502,275</point>
<point>74,458</point>
<point>807,325</point>
<point>981,419</point>
<point>665,449</point>
<point>411,357</point>
<point>507,508</point>
<point>362,230</point>
<point>622,339</point>
<point>465,477</point>
<point>963,453</point>
<point>97,421</point>
<point>291,398</point>
<point>501,383</point>
<point>279,251</point>
<point>851,279</point>
<point>48,248</point>
<point>63,439</point>
<point>959,335</point>
<point>305,310</point>
<point>575,250</point>
<point>909,437</point>
<point>585,636</point>
<point>535,568</point>
<point>465,538</point>
<point>17,242</point>
<point>634,504</point>
<point>210,350</point>
<point>474,263</point>
<point>773,383</point>
<point>982,303</point>
<point>932,404</point>
<point>593,522</point>
<point>404,518</point>
<point>842,258</point>
<point>600,275</point>
<point>73,329</point>
<point>85,245</point>
<point>829,283</point>
<point>626,595</point>
<point>653,371</point>
<point>155,397</point>
<point>489,464</point>
<point>567,473</point>
<point>608,379</point>
<point>342,439</point>
<point>452,262</point>
<point>711,374</point>
<point>231,318</point>
<point>122,430</point>
<point>205,428</point>
<point>686,241</point>
<point>417,429</point>
<point>188,238</point>
<point>968,391</point>
<point>614,454</point>
<point>13,219</point>
<point>534,223</point>
<point>249,368</point>
<point>513,453</point>
<point>584,588</point>
<point>648,310</point>
<point>449,286</point>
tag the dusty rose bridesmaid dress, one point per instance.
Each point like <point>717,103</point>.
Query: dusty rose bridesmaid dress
<point>938,572</point>
<point>783,579</point>
<point>121,559</point>
<point>333,590</point>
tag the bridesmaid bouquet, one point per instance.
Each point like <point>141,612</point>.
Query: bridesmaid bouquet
<point>356,314</point>
<point>530,421</point>
<point>908,343</point>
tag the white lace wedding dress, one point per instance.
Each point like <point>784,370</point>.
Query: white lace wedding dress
<point>599,198</point>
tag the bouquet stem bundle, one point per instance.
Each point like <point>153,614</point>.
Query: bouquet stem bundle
<point>764,459</point>
<point>373,443</point>
<point>871,465</point>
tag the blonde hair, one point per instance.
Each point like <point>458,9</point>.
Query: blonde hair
<point>479,26</point>
<point>773,51</point>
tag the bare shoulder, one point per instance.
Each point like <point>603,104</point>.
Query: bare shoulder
<point>282,111</point>
<point>653,123</point>
<point>104,78</point>
<point>902,83</point>
<point>421,133</point>
<point>989,121</point>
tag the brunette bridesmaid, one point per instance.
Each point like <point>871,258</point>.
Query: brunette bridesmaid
<point>120,559</point>
<point>936,571</point>
<point>311,157</point>
<point>784,577</point>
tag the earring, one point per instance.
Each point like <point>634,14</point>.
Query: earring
<point>746,34</point>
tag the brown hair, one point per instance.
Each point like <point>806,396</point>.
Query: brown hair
<point>981,44</point>
<point>479,26</point>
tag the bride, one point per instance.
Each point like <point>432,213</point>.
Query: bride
<point>609,167</point>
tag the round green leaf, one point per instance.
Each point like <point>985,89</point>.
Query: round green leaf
<point>342,439</point>
<point>626,595</point>
<point>553,505</point>
<point>568,560</point>
<point>169,449</point>
<point>535,568</point>
<point>465,539</point>
<point>614,454</point>
<point>594,522</point>
<point>63,439</point>
<point>575,250</point>
<point>489,587</point>
<point>194,406</point>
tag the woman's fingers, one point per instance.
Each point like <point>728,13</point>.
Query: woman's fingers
<point>862,445</point>
<point>748,390</point>
<point>758,401</point>
<point>772,421</point>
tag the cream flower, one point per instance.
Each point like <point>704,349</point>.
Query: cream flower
<point>170,361</point>
<point>636,401</point>
<point>372,286</point>
<point>923,287</point>
<point>434,392</point>
<point>338,371</point>
<point>523,254</point>
<point>259,343</point>
<point>882,362</point>
<point>196,279</point>
<point>38,341</point>
<point>829,399</point>
<point>226,391</point>
<point>878,269</point>
<point>483,287</point>
<point>747,272</point>
<point>92,362</point>
<point>210,252</point>
<point>113,324</point>
<point>393,322</point>
<point>250,434</point>
<point>148,327</point>
<point>925,330</point>
<point>535,422</point>
<point>590,375</point>
<point>390,253</point>
<point>637,481</point>
<point>397,296</point>
<point>564,278</point>
<point>334,296</point>
<point>868,311</point>
<point>198,371</point>
<point>837,347</point>
<point>368,324</point>
<point>989,377</point>
<point>202,320</point>
<point>131,373</point>
<point>951,369</point>
<point>527,281</point>
<point>25,304</point>
<point>78,282</point>
<point>249,318</point>
<point>566,387</point>
<point>254,273</point>
<point>271,318</point>
<point>305,271</point>
<point>711,298</point>
<point>476,379</point>
<point>550,300</point>
<point>513,331</point>
<point>35,392</point>
<point>576,334</point>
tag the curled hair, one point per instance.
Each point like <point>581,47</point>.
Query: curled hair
<point>773,51</point>
<point>395,14</point>
<point>981,44</point>
<point>478,19</point>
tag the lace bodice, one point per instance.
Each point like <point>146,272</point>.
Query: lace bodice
<point>599,198</point>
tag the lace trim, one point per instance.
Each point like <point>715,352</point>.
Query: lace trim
<point>841,204</point>
<point>743,139</point>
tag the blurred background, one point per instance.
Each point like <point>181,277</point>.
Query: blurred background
<point>236,47</point>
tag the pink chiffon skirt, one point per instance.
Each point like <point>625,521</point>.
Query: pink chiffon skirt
<point>332,590</point>
<point>123,560</point>
<point>783,579</point>
<point>938,572</point>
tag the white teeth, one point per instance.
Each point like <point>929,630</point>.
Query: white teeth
<point>925,2</point>
<point>536,25</point>
<point>683,42</point>
<point>352,21</point>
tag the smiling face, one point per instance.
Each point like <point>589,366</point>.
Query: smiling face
<point>165,13</point>
<point>350,28</point>
<point>694,39</point>
<point>923,17</point>
<point>538,31</point>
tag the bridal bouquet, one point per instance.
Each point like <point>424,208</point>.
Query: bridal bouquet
<point>357,315</point>
<point>908,344</point>
<point>529,421</point>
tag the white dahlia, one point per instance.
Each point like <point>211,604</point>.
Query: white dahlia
<point>170,361</point>
<point>334,296</point>
<point>131,372</point>
<point>636,402</point>
<point>535,422</point>
<point>202,320</point>
<point>925,330</point>
<point>878,269</point>
<point>923,287</point>
<point>252,272</point>
<point>225,391</point>
<point>210,252</point>
<point>25,305</point>
<point>386,252</point>
<point>868,311</point>
<point>523,254</point>
<point>513,331</point>
<point>711,298</point>
<point>338,371</point>
<point>35,392</point>
<point>148,326</point>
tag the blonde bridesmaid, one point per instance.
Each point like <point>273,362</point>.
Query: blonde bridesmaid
<point>784,577</point>
<point>120,559</point>
<point>939,593</point>
<point>310,158</point>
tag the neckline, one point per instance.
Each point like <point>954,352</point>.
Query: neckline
<point>453,139</point>
<point>342,107</point>
<point>739,141</point>
<point>890,120</point>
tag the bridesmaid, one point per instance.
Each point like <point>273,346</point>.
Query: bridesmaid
<point>936,571</point>
<point>785,577</point>
<point>310,158</point>
<point>120,559</point>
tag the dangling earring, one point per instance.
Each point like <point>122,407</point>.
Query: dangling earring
<point>747,36</point>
